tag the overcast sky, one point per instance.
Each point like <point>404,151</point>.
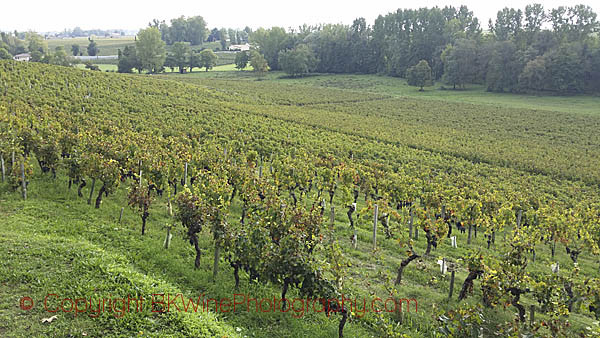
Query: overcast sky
<point>56,15</point>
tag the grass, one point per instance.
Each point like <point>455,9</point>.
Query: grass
<point>397,87</point>
<point>476,94</point>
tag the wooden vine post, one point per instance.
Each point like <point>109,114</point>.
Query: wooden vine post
<point>332,217</point>
<point>121,215</point>
<point>23,182</point>
<point>410,224</point>
<point>140,164</point>
<point>185,173</point>
<point>451,284</point>
<point>376,214</point>
<point>3,168</point>
<point>531,315</point>
<point>89,201</point>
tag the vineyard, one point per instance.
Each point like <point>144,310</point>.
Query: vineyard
<point>488,216</point>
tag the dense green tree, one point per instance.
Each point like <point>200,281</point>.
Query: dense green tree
<point>177,31</point>
<point>208,59</point>
<point>36,43</point>
<point>503,67</point>
<point>150,49</point>
<point>534,75</point>
<point>258,62</point>
<point>298,61</point>
<point>180,53</point>
<point>12,43</point>
<point>75,49</point>
<point>573,23</point>
<point>4,54</point>
<point>194,60</point>
<point>223,38</point>
<point>270,42</point>
<point>419,75</point>
<point>92,48</point>
<point>241,60</point>
<point>460,63</point>
<point>565,71</point>
<point>60,57</point>
<point>214,35</point>
<point>508,24</point>
<point>36,56</point>
<point>128,60</point>
<point>196,31</point>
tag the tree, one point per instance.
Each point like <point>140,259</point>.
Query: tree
<point>208,59</point>
<point>258,62</point>
<point>241,60</point>
<point>36,43</point>
<point>196,31</point>
<point>565,71</point>
<point>508,24</point>
<point>128,60</point>
<point>92,48</point>
<point>534,76</point>
<point>420,75</point>
<point>36,56</point>
<point>460,63</point>
<point>223,38</point>
<point>503,67</point>
<point>177,31</point>
<point>270,42</point>
<point>180,53</point>
<point>150,49</point>
<point>60,57</point>
<point>75,49</point>
<point>298,61</point>
<point>194,60</point>
<point>213,36</point>
<point>4,54</point>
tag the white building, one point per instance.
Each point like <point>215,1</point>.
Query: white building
<point>22,57</point>
<point>241,48</point>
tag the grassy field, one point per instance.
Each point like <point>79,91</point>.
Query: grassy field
<point>54,242</point>
<point>397,87</point>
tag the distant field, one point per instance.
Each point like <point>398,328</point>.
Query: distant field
<point>107,46</point>
<point>110,46</point>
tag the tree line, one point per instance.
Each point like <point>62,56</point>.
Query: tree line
<point>530,50</point>
<point>556,50</point>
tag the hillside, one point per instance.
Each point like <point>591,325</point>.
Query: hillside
<point>299,148</point>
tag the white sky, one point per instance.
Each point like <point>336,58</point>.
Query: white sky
<point>56,15</point>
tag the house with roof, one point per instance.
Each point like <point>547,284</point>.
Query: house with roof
<point>240,48</point>
<point>22,57</point>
